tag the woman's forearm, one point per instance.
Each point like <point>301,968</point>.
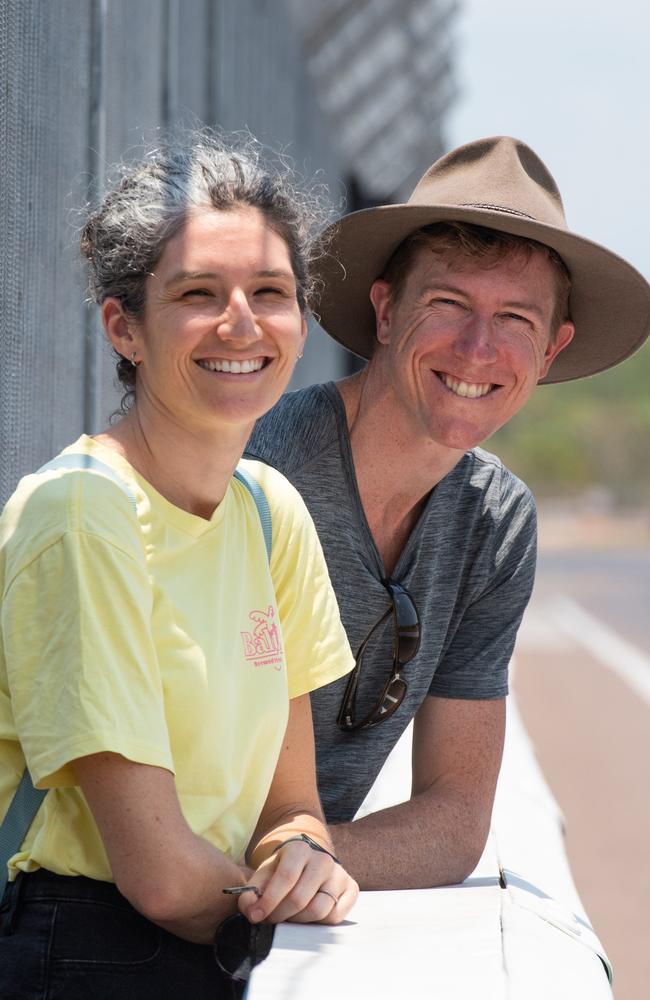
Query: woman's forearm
<point>292,805</point>
<point>195,904</point>
<point>169,874</point>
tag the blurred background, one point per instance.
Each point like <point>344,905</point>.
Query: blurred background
<point>366,94</point>
<point>571,80</point>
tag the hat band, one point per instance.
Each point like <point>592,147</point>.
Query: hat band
<point>498,208</point>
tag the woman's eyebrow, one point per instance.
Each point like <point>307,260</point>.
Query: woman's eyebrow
<point>182,276</point>
<point>276,273</point>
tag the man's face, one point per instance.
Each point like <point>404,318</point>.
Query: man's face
<point>464,346</point>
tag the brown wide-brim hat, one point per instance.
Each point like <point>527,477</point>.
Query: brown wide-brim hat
<point>502,184</point>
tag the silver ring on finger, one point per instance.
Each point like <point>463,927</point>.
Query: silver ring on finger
<point>328,893</point>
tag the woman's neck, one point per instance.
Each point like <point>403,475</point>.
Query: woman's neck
<point>190,469</point>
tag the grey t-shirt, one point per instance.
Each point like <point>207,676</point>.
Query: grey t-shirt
<point>468,564</point>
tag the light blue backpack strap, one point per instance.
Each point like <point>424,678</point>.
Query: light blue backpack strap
<point>77,460</point>
<point>262,504</point>
<point>21,812</point>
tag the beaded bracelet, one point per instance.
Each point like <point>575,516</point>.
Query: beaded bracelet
<point>306,839</point>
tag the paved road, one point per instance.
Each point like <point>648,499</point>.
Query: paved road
<point>582,679</point>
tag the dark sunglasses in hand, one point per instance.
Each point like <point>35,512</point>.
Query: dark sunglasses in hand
<point>406,645</point>
<point>239,946</point>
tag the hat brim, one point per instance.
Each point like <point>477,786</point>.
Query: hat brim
<point>609,303</point>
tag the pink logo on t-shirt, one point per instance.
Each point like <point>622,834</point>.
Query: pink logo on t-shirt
<point>262,646</point>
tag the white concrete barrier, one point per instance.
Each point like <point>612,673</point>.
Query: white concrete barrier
<point>514,930</point>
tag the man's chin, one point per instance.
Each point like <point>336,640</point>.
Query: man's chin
<point>461,439</point>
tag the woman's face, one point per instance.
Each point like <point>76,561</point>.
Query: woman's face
<point>222,328</point>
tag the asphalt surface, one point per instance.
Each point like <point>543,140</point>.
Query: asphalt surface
<point>582,681</point>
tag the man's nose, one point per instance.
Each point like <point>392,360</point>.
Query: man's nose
<point>238,321</point>
<point>475,340</point>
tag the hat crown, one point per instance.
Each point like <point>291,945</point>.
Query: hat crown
<point>498,174</point>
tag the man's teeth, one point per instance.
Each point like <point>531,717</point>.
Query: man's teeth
<point>234,367</point>
<point>470,390</point>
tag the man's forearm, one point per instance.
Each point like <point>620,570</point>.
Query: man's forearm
<point>430,840</point>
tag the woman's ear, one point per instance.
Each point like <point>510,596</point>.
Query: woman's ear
<point>120,328</point>
<point>303,336</point>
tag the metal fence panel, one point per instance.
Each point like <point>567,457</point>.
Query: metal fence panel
<point>83,82</point>
<point>43,165</point>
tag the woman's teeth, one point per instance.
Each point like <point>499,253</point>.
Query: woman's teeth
<point>233,367</point>
<point>469,390</point>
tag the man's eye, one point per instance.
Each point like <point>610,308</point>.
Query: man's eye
<point>270,290</point>
<point>195,291</point>
<point>440,301</point>
<point>516,318</point>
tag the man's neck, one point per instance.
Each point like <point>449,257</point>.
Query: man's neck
<point>395,471</point>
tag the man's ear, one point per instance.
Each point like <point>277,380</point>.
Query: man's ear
<point>380,298</point>
<point>562,339</point>
<point>120,328</point>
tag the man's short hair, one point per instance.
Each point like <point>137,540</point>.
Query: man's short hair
<point>463,242</point>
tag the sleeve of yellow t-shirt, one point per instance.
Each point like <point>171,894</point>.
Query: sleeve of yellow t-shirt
<point>315,644</point>
<point>82,668</point>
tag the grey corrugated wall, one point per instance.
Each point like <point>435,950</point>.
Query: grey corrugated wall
<point>81,82</point>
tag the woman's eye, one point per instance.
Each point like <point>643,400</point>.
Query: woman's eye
<point>268,290</point>
<point>195,291</point>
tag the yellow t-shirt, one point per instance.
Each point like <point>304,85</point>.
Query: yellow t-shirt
<point>160,636</point>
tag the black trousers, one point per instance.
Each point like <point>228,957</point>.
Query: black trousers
<point>72,938</point>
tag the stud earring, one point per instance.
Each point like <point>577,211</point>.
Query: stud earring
<point>299,356</point>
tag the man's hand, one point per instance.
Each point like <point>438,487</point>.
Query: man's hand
<point>437,837</point>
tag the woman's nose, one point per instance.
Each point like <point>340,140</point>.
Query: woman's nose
<point>238,321</point>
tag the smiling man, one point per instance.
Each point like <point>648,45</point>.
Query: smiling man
<point>463,300</point>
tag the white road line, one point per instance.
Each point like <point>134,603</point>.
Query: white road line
<point>539,632</point>
<point>620,656</point>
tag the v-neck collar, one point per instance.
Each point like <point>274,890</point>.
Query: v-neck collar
<point>366,534</point>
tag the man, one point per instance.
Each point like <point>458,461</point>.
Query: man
<point>462,300</point>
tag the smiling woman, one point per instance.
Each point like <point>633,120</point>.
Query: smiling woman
<point>160,701</point>
<point>220,330</point>
<point>124,239</point>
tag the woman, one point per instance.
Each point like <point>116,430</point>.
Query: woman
<point>156,667</point>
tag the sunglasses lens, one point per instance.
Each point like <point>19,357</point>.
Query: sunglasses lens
<point>407,616</point>
<point>392,698</point>
<point>408,644</point>
<point>239,946</point>
<point>355,712</point>
<point>407,624</point>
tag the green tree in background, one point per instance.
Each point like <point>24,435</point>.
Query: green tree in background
<point>579,435</point>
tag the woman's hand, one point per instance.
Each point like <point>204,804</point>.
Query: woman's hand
<point>301,885</point>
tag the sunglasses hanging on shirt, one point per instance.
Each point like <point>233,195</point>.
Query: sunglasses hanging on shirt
<point>405,646</point>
